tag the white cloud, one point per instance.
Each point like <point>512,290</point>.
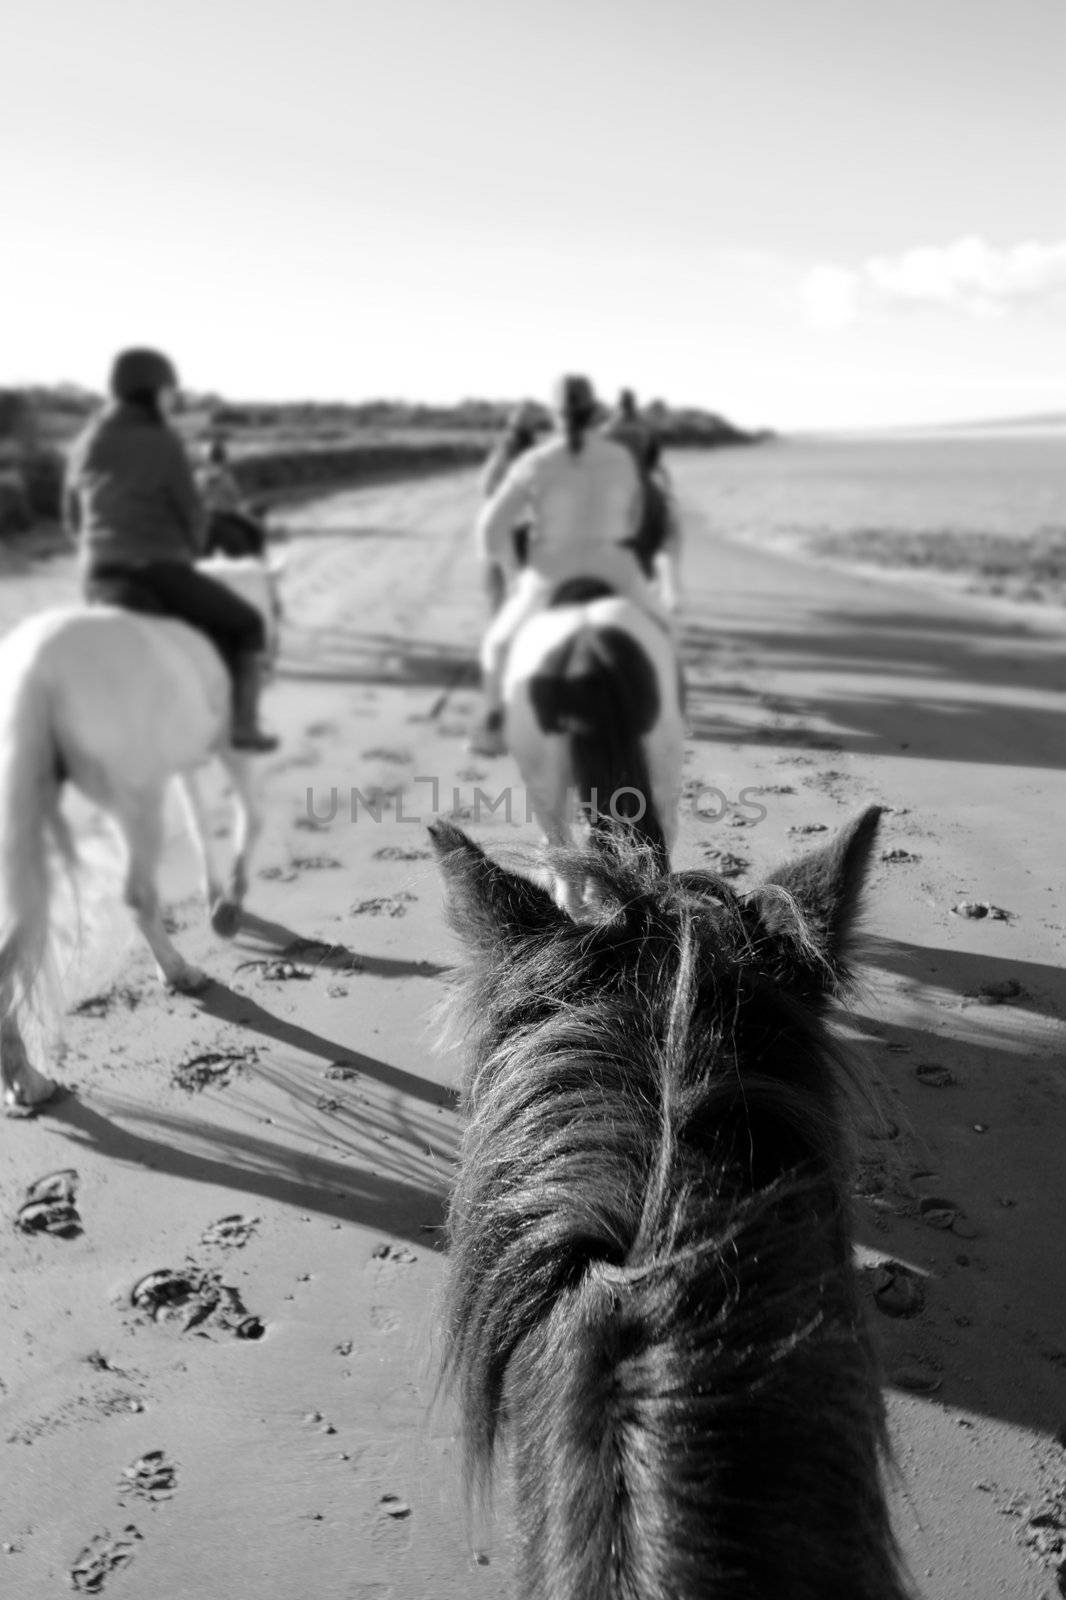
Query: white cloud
<point>970,277</point>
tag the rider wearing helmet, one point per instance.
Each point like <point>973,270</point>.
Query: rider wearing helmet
<point>626,426</point>
<point>131,502</point>
<point>581,496</point>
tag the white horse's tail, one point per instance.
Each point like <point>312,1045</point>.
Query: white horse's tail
<point>30,779</point>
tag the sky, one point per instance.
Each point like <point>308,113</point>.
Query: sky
<point>799,213</point>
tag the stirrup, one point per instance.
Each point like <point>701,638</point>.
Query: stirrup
<point>253,739</point>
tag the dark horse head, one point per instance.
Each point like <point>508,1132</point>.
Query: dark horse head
<point>651,1290</point>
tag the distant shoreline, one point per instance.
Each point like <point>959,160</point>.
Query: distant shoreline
<point>1052,427</point>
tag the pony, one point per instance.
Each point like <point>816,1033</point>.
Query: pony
<point>593,717</point>
<point>115,703</point>
<point>650,1293</point>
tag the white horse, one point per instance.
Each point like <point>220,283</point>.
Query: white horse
<point>593,717</point>
<point>116,703</point>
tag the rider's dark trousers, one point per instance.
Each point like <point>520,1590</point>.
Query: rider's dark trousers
<point>169,589</point>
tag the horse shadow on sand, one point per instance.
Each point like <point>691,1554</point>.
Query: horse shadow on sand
<point>396,1132</point>
<point>343,655</point>
<point>955,1183</point>
<point>984,672</point>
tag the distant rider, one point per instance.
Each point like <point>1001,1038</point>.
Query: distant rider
<point>658,540</point>
<point>581,496</point>
<point>520,435</point>
<point>229,527</point>
<point>626,426</point>
<point>131,502</point>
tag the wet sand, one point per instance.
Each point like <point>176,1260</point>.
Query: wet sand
<point>305,1099</point>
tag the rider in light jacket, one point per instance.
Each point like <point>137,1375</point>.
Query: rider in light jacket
<point>581,496</point>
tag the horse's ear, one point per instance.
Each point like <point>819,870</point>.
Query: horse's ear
<point>816,914</point>
<point>486,903</point>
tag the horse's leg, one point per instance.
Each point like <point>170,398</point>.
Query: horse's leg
<point>23,1085</point>
<point>140,817</point>
<point>196,816</point>
<point>247,826</point>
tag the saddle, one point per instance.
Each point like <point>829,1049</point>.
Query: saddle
<point>579,592</point>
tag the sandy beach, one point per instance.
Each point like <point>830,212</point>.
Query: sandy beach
<point>283,1144</point>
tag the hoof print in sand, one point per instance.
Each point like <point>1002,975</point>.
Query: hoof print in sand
<point>232,1232</point>
<point>273,971</point>
<point>341,1072</point>
<point>213,1069</point>
<point>101,1005</point>
<point>318,953</point>
<point>150,1477</point>
<point>996,992</point>
<point>934,1076</point>
<point>49,1206</point>
<point>898,1292</point>
<point>936,1212</point>
<point>194,1299</point>
<point>726,864</point>
<point>977,909</point>
<point>102,1556</point>
<point>398,1254</point>
<point>392,1525</point>
<point>916,1377</point>
<point>384,905</point>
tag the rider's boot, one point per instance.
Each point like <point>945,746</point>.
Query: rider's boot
<point>246,733</point>
<point>487,737</point>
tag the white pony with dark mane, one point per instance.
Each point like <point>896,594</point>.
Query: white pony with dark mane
<point>116,703</point>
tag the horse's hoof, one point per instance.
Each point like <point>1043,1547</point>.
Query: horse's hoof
<point>225,918</point>
<point>22,1103</point>
<point>190,981</point>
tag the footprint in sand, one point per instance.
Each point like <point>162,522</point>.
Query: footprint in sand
<point>898,856</point>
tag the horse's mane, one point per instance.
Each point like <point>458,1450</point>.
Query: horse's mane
<point>650,1254</point>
